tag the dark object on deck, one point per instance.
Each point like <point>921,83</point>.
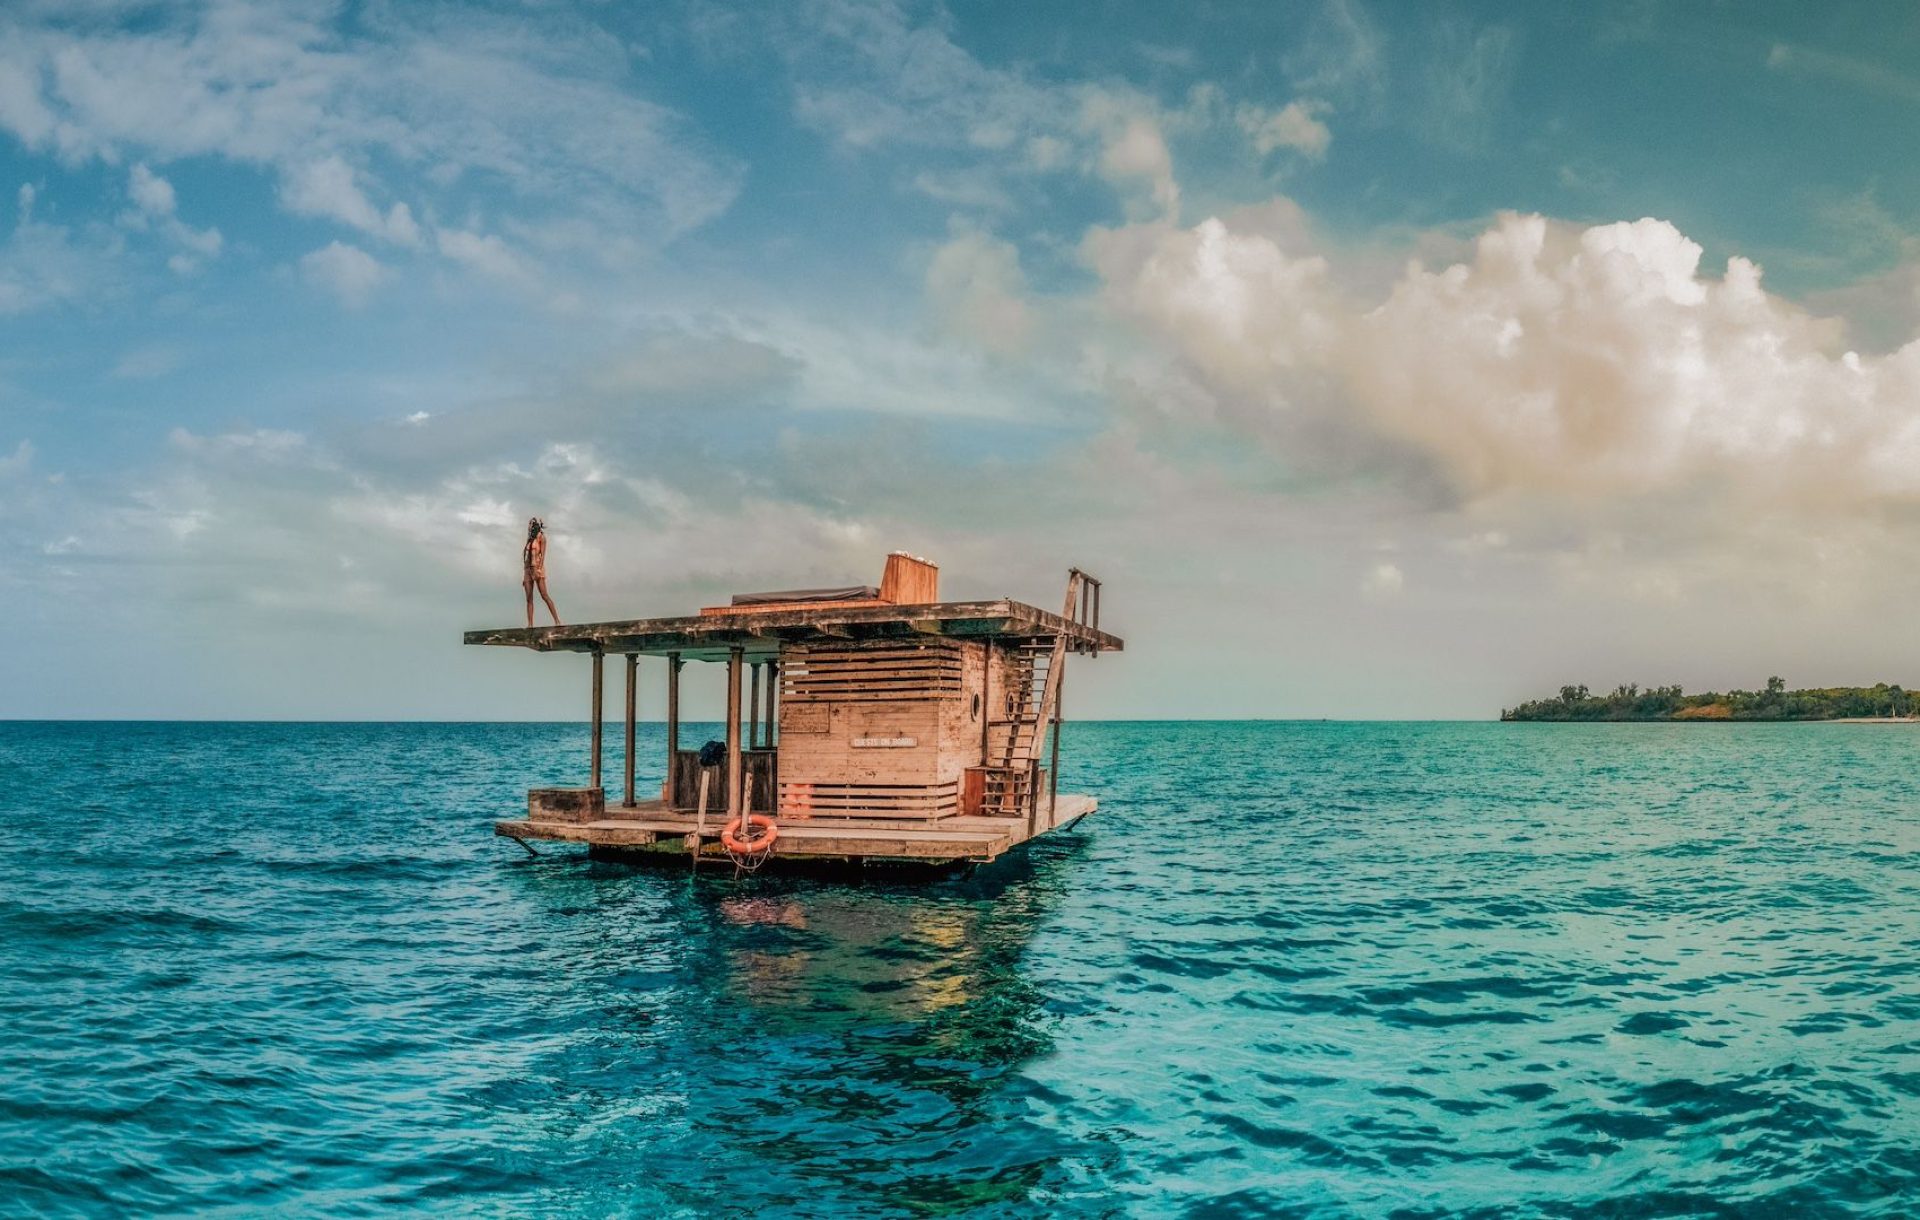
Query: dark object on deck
<point>845,593</point>
<point>713,754</point>
<point>566,804</point>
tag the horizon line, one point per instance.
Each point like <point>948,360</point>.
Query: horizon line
<point>613,723</point>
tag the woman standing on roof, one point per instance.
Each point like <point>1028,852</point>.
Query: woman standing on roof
<point>533,565</point>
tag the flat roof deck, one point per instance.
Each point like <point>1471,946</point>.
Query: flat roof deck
<point>651,826</point>
<point>761,632</point>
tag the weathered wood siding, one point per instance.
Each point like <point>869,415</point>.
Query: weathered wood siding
<point>759,765</point>
<point>882,730</point>
<point>895,673</point>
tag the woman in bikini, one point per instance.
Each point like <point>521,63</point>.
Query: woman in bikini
<point>533,564</point>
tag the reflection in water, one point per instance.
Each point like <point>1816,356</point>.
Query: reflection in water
<point>865,955</point>
<point>764,1035</point>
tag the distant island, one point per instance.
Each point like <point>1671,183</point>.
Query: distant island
<point>1776,702</point>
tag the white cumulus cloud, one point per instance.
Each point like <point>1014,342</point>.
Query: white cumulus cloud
<point>1555,359</point>
<point>1242,309</point>
<point>1602,359</point>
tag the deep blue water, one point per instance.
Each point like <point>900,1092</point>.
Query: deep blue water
<point>1288,969</point>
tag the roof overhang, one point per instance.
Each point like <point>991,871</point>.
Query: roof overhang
<point>760,633</point>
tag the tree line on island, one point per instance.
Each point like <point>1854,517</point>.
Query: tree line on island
<point>1776,702</point>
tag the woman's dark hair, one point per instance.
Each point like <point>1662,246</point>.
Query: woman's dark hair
<point>534,526</point>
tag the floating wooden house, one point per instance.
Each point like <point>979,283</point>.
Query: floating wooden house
<point>879,724</point>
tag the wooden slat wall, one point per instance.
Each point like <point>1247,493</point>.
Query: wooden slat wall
<point>905,801</point>
<point>880,730</point>
<point>929,671</point>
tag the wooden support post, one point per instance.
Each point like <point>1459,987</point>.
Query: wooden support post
<point>772,719</point>
<point>1033,791</point>
<point>986,699</point>
<point>699,834</point>
<point>735,657</point>
<point>753,711</point>
<point>1059,681</point>
<point>673,726</point>
<point>633,704</point>
<point>599,665</point>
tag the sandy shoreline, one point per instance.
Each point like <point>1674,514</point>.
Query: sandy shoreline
<point>1872,720</point>
<point>1906,720</point>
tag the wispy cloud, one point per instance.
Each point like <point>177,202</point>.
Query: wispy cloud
<point>978,291</point>
<point>1854,71</point>
<point>45,265</point>
<point>1467,82</point>
<point>147,362</point>
<point>155,206</point>
<point>1296,125</point>
<point>532,109</point>
<point>873,78</point>
<point>1341,56</point>
<point>327,187</point>
<point>17,463</point>
<point>348,272</point>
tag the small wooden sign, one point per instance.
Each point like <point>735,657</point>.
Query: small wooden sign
<point>884,743</point>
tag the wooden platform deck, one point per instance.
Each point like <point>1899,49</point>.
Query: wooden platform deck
<point>651,827</point>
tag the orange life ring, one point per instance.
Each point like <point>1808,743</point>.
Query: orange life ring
<point>755,845</point>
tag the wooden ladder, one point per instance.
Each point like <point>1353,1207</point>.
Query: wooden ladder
<point>1033,703</point>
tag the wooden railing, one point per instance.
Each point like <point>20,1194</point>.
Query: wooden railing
<point>1083,601</point>
<point>761,767</point>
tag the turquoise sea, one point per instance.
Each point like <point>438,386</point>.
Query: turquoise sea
<point>1324,970</point>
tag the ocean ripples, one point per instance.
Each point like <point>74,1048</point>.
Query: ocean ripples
<point>1301,970</point>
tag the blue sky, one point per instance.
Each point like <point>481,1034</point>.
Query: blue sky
<point>1387,360</point>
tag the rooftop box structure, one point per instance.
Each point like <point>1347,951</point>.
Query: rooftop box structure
<point>863,723</point>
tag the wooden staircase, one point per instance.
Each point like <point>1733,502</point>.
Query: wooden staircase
<point>1030,706</point>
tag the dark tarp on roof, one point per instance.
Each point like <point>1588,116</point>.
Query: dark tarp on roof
<point>846,593</point>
